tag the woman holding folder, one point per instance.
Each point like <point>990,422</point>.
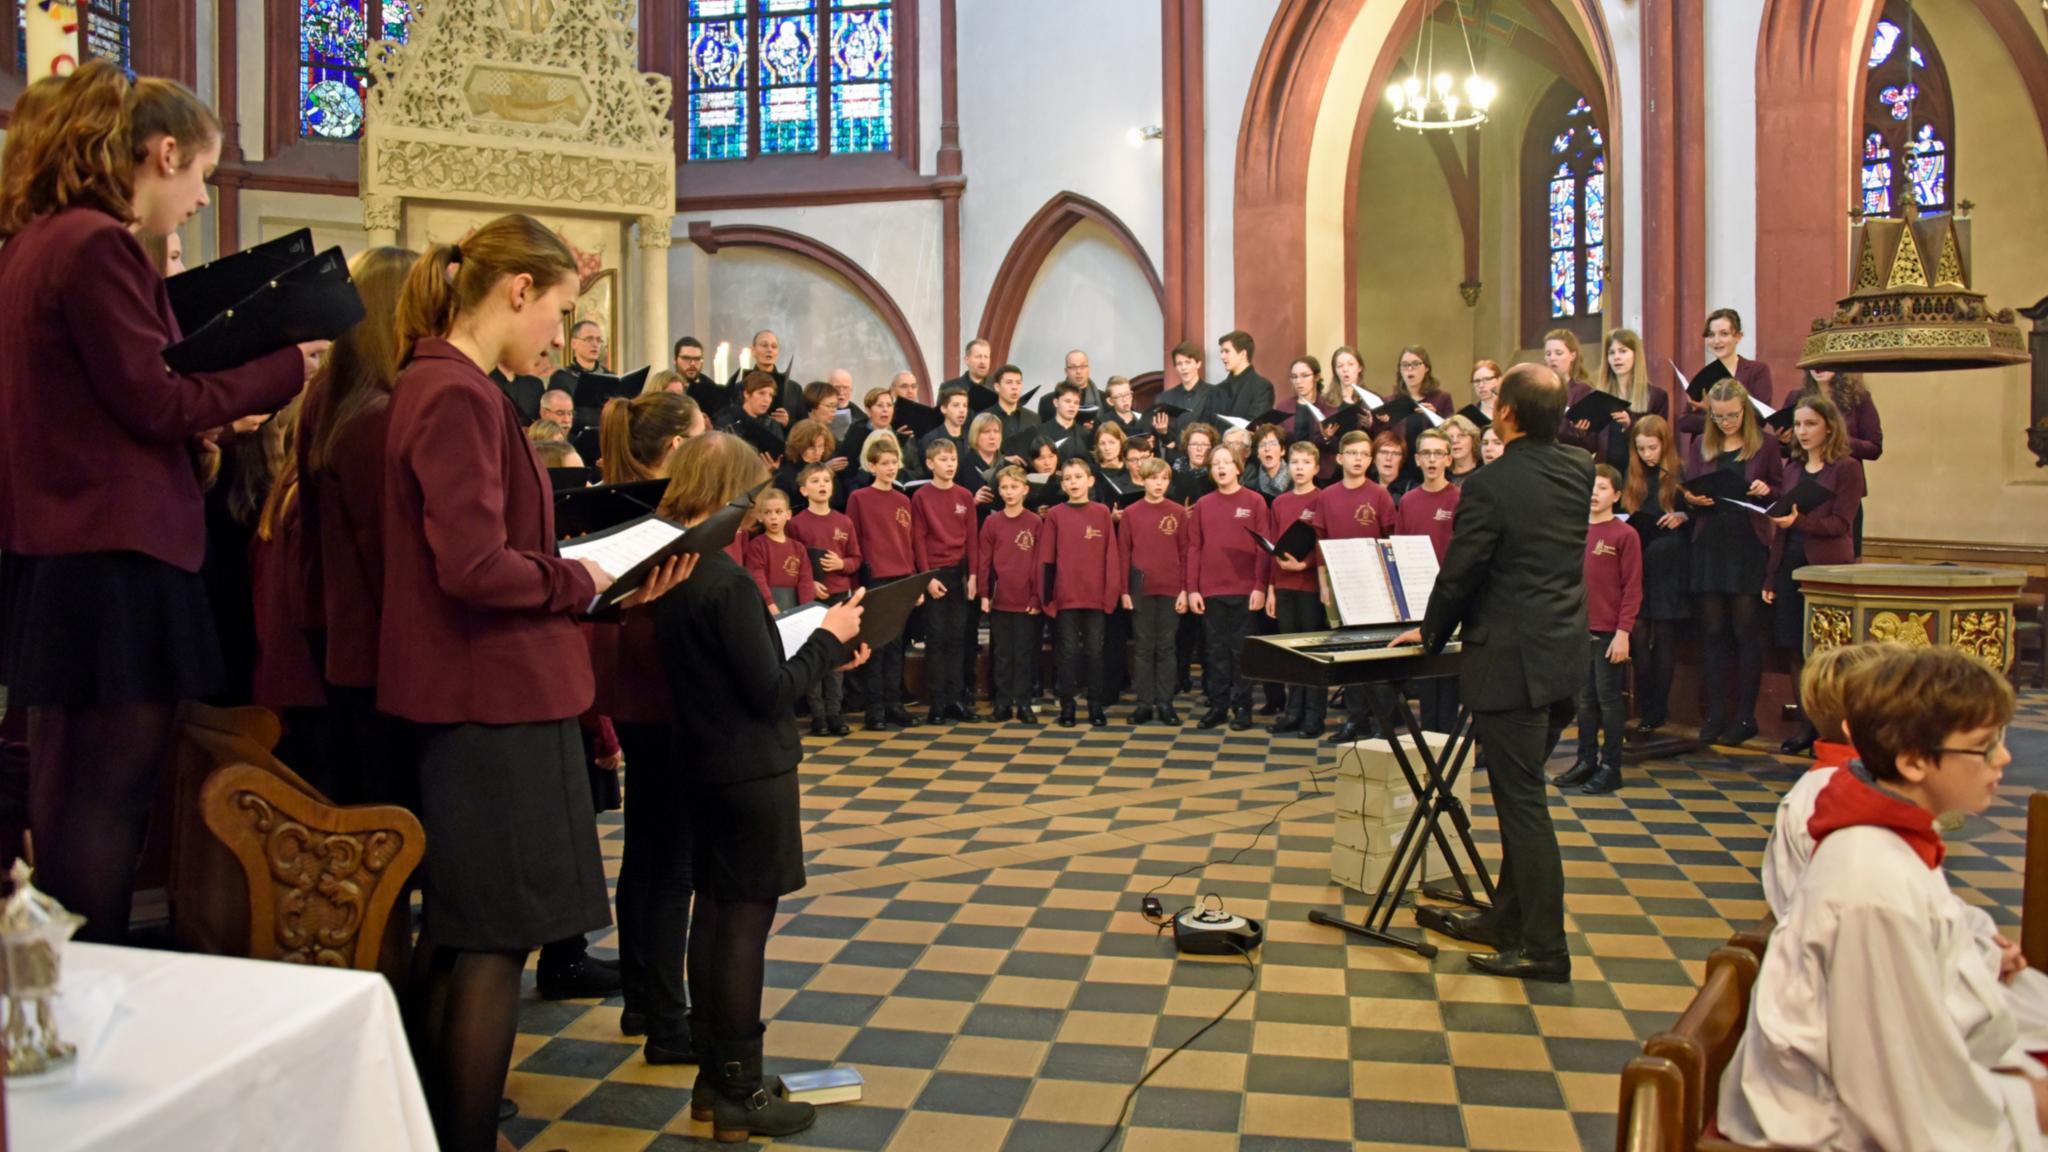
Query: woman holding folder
<point>1730,557</point>
<point>107,624</point>
<point>734,694</point>
<point>1829,484</point>
<point>1723,334</point>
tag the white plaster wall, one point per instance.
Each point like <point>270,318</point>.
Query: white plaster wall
<point>930,76</point>
<point>1232,35</point>
<point>822,321</point>
<point>1730,60</point>
<point>1043,110</point>
<point>249,27</point>
<point>1089,295</point>
<point>335,220</point>
<point>897,243</point>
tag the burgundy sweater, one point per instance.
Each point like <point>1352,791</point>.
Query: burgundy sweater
<point>881,522</point>
<point>1430,514</point>
<point>1614,577</point>
<point>1079,541</point>
<point>1154,541</point>
<point>1288,507</point>
<point>943,528</point>
<point>780,564</point>
<point>1223,559</point>
<point>1007,573</point>
<point>1366,511</point>
<point>832,532</point>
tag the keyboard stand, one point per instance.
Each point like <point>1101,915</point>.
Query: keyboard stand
<point>1434,799</point>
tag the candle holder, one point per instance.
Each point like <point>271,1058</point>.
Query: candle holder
<point>33,931</point>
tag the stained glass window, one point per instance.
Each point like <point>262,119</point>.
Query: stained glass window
<point>1908,118</point>
<point>790,77</point>
<point>1574,207</point>
<point>334,53</point>
<point>106,29</point>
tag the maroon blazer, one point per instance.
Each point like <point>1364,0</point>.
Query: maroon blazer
<point>286,674</point>
<point>84,320</point>
<point>478,610</point>
<point>345,510</point>
<point>1750,374</point>
<point>632,685</point>
<point>1767,465</point>
<point>1829,530</point>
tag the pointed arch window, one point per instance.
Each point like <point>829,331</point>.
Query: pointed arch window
<point>334,39</point>
<point>108,32</point>
<point>1908,119</point>
<point>1564,228</point>
<point>773,78</point>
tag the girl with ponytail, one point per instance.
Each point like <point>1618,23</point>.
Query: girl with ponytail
<point>104,619</point>
<point>478,647</point>
<point>635,437</point>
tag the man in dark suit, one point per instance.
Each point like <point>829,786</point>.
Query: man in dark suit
<point>1513,578</point>
<point>1243,393</point>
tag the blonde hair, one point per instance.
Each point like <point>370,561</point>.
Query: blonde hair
<point>512,245</point>
<point>1151,466</point>
<point>1820,684</point>
<point>1713,440</point>
<point>660,381</point>
<point>1635,389</point>
<point>707,473</point>
<point>546,432</point>
<point>880,443</point>
<point>1570,340</point>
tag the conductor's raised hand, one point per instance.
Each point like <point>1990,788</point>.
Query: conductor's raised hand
<point>662,580</point>
<point>860,657</point>
<point>843,620</point>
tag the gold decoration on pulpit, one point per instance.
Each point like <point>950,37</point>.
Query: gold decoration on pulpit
<point>1913,629</point>
<point>1982,634</point>
<point>1830,628</point>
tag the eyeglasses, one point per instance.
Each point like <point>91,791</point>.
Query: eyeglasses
<point>1484,379</point>
<point>1997,744</point>
<point>1728,417</point>
<point>1413,364</point>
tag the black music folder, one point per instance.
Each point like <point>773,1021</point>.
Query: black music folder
<point>1712,374</point>
<point>593,389</point>
<point>980,399</point>
<point>582,511</point>
<point>632,551</point>
<point>1597,408</point>
<point>1806,496</point>
<point>567,480</point>
<point>313,300</point>
<point>1297,543</point>
<point>712,397</point>
<point>1779,420</point>
<point>1719,484</point>
<point>201,293</point>
<point>1479,419</point>
<point>913,420</point>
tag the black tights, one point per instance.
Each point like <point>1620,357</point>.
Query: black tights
<point>728,955</point>
<point>465,1014</point>
<point>1653,648</point>
<point>1731,622</point>
<point>92,774</point>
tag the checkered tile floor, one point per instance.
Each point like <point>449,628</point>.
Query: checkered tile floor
<point>970,939</point>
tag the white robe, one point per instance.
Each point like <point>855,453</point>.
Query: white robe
<point>1874,1023</point>
<point>1790,850</point>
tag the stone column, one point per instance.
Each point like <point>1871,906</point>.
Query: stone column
<point>653,303</point>
<point>381,216</point>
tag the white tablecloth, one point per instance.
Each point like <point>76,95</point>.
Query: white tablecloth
<point>209,1054</point>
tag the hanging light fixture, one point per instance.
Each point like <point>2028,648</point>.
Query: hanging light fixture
<point>1433,101</point>
<point>1912,307</point>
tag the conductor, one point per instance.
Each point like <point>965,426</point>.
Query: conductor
<point>1512,578</point>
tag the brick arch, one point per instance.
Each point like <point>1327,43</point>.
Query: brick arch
<point>1277,133</point>
<point>1028,253</point>
<point>1809,100</point>
<point>710,239</point>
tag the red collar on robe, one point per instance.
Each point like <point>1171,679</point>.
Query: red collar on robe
<point>1828,754</point>
<point>1847,802</point>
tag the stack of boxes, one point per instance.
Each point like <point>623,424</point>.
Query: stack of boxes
<point>1374,805</point>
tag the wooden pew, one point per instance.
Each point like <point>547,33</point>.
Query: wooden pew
<point>1678,1076</point>
<point>263,866</point>
<point>2034,901</point>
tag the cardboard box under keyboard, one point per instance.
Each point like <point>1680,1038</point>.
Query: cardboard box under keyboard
<point>1373,806</point>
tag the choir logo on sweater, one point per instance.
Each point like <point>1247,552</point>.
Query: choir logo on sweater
<point>1445,514</point>
<point>1308,514</point>
<point>789,566</point>
<point>1025,541</point>
<point>903,517</point>
<point>1168,525</point>
<point>960,509</point>
<point>1091,532</point>
<point>1244,513</point>
<point>1603,548</point>
<point>839,536</point>
<point>1364,516</point>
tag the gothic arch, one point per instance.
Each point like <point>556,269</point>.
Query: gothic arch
<point>1028,252</point>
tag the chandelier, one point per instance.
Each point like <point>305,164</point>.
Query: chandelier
<point>1433,101</point>
<point>1912,307</point>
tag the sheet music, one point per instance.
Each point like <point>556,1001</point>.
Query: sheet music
<point>1235,421</point>
<point>1415,560</point>
<point>796,627</point>
<point>1372,403</point>
<point>1436,419</point>
<point>1763,411</point>
<point>618,552</point>
<point>1760,509</point>
<point>1684,382</point>
<point>1358,582</point>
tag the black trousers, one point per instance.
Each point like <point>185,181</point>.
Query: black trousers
<point>1013,641</point>
<point>1275,694</point>
<point>1190,641</point>
<point>970,652</point>
<point>945,624</point>
<point>885,677</point>
<point>1226,621</point>
<point>1528,902</point>
<point>1602,711</point>
<point>654,881</point>
<point>1438,698</point>
<point>1299,611</point>
<point>1653,649</point>
<point>1080,655</point>
<point>1156,628</point>
<point>1116,653</point>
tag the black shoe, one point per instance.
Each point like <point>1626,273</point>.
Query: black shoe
<point>877,722</point>
<point>837,727</point>
<point>1797,746</point>
<point>668,1050</point>
<point>1242,720</point>
<point>586,978</point>
<point>1097,718</point>
<point>1649,724</point>
<point>1027,715</point>
<point>1579,774</point>
<point>1212,718</point>
<point>960,713</point>
<point>1348,733</point>
<point>1513,964</point>
<point>1606,780</point>
<point>508,1109</point>
<point>935,717</point>
<point>1066,714</point>
<point>1741,733</point>
<point>901,717</point>
<point>817,725</point>
<point>1711,731</point>
<point>1142,714</point>
<point>632,1022</point>
<point>1313,730</point>
<point>1271,708</point>
<point>1169,717</point>
<point>743,1105</point>
<point>1471,927</point>
<point>1284,725</point>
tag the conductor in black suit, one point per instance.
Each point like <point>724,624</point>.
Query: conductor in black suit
<point>1513,580</point>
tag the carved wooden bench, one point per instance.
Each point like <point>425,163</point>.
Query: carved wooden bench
<point>1672,1091</point>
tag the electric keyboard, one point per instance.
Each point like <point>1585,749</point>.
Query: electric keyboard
<point>1343,657</point>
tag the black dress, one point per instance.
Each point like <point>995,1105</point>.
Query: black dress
<point>1666,560</point>
<point>1727,558</point>
<point>99,628</point>
<point>1788,607</point>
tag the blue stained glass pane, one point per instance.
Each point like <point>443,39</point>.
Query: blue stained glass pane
<point>1882,41</point>
<point>330,104</point>
<point>718,56</point>
<point>1596,209</point>
<point>717,106</point>
<point>703,9</point>
<point>1930,169</point>
<point>788,76</point>
<point>1599,141</point>
<point>397,19</point>
<point>863,99</point>
<point>1596,278</point>
<point>1563,271</point>
<point>1563,213</point>
<point>862,48</point>
<point>1900,97</point>
<point>789,50</point>
<point>718,125</point>
<point>1918,60</point>
<point>1873,147</point>
<point>862,117</point>
<point>106,30</point>
<point>787,5</point>
<point>333,32</point>
<point>1877,188</point>
<point>789,120</point>
<point>1581,108</point>
<point>1563,141</point>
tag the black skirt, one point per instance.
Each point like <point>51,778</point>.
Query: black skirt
<point>1788,610</point>
<point>512,860</point>
<point>1667,578</point>
<point>105,628</point>
<point>746,842</point>
<point>1727,558</point>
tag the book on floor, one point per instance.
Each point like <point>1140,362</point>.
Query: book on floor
<point>839,1084</point>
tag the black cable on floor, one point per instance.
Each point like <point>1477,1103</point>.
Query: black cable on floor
<point>1251,970</point>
